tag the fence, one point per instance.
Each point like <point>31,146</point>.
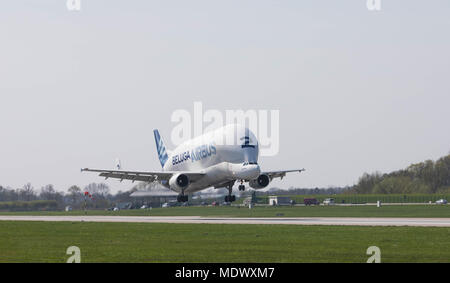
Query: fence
<point>356,199</point>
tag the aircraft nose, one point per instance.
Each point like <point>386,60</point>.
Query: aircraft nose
<point>257,170</point>
<point>251,171</point>
<point>246,171</point>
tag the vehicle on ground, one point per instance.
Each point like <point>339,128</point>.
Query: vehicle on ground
<point>311,201</point>
<point>329,201</point>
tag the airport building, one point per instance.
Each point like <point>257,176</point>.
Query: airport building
<point>153,198</point>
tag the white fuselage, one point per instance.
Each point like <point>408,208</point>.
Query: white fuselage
<point>227,154</point>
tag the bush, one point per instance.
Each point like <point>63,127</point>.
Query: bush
<point>28,205</point>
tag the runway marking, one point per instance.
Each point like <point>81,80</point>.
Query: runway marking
<point>338,221</point>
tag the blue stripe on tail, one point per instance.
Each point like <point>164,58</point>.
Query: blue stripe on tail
<point>160,148</point>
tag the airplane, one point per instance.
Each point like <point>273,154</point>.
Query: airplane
<point>218,159</point>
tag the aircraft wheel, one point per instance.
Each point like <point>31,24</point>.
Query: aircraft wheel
<point>230,198</point>
<point>182,198</point>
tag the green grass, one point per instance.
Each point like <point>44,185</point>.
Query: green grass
<point>144,242</point>
<point>297,211</point>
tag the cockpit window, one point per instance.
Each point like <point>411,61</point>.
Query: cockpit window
<point>250,163</point>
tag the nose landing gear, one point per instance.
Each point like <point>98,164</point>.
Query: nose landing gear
<point>242,186</point>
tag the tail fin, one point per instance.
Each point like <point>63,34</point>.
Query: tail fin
<point>160,148</point>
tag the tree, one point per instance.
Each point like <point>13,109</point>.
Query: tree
<point>423,177</point>
<point>7,194</point>
<point>367,182</point>
<point>75,195</point>
<point>100,190</point>
<point>27,193</point>
<point>100,194</point>
<point>49,193</point>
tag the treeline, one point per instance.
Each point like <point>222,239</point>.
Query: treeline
<point>305,191</point>
<point>34,205</point>
<point>48,198</point>
<point>429,177</point>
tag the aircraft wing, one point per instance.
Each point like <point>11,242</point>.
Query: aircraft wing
<point>280,174</point>
<point>143,176</point>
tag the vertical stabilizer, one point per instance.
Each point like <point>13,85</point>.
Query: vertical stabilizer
<point>160,148</point>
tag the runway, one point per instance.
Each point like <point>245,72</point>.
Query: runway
<point>338,221</point>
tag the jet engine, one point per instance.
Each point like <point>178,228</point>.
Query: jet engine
<point>179,182</point>
<point>261,182</point>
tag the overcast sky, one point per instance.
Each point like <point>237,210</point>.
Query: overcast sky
<point>357,90</point>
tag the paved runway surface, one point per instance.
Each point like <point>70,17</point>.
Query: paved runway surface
<point>431,222</point>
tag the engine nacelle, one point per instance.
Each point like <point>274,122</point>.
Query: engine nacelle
<point>261,182</point>
<point>179,182</point>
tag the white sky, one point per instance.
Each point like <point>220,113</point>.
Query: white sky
<point>358,91</point>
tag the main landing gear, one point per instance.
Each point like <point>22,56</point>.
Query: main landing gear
<point>182,198</point>
<point>229,197</point>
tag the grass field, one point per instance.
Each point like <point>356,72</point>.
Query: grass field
<point>267,211</point>
<point>144,242</point>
